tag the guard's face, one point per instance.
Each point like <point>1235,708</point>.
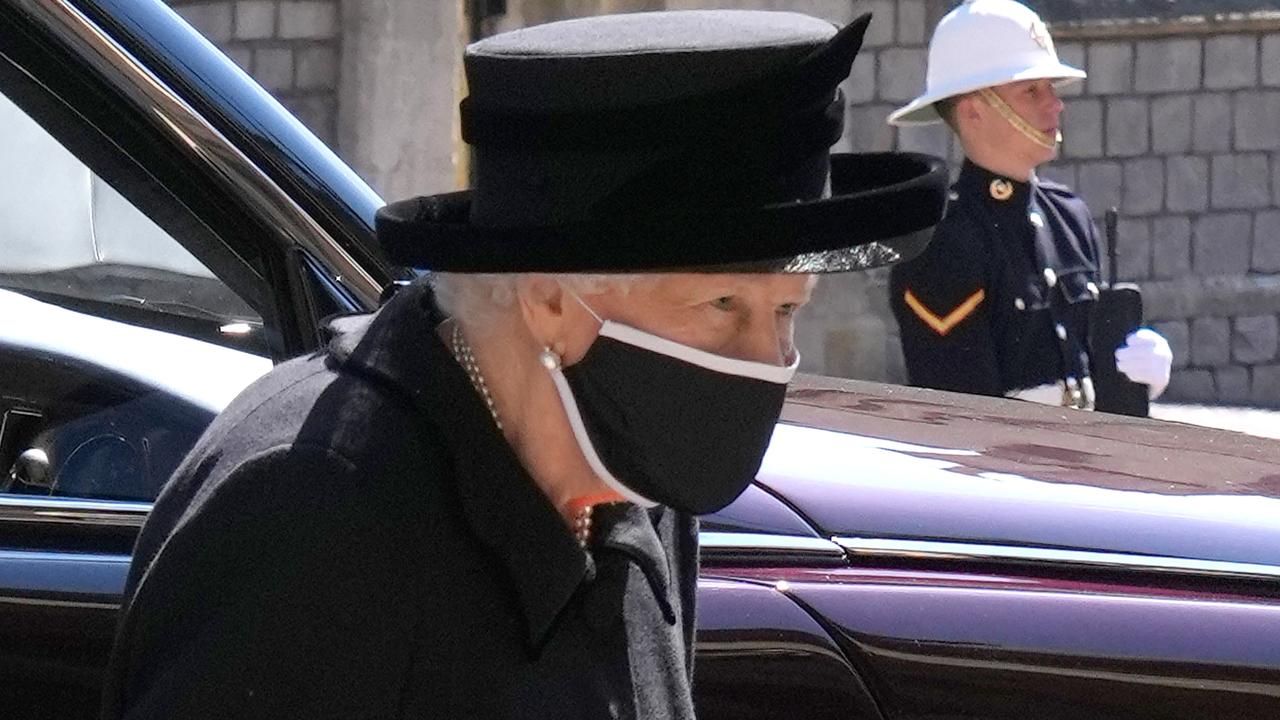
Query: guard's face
<point>1035,101</point>
<point>742,316</point>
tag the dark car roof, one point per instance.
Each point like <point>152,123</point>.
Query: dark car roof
<point>272,138</point>
<point>873,461</point>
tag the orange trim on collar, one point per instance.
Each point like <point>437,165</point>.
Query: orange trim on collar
<point>943,325</point>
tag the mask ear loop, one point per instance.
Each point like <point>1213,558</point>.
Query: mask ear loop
<point>583,303</point>
<point>1043,139</point>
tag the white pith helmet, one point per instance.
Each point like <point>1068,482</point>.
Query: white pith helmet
<point>984,43</point>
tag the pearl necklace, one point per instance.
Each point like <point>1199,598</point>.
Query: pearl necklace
<point>581,508</point>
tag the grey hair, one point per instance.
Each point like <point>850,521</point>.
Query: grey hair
<point>477,299</point>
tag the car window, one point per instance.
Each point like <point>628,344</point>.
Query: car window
<point>117,345</point>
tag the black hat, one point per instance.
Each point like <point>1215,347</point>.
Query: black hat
<point>693,140</point>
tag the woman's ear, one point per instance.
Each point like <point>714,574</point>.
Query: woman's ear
<point>541,300</point>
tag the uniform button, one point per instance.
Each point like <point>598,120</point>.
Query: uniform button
<point>1093,290</point>
<point>953,196</point>
<point>1062,331</point>
<point>1050,277</point>
<point>1020,304</point>
<point>1036,219</point>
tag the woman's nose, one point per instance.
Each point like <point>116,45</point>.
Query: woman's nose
<point>766,342</point>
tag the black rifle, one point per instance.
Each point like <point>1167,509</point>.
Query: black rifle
<point>1117,313</point>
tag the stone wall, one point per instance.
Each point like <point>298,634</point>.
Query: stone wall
<point>1176,126</point>
<point>291,47</point>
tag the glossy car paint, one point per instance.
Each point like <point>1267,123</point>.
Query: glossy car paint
<point>936,643</point>
<point>1000,472</point>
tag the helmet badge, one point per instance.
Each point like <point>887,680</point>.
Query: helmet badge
<point>1040,34</point>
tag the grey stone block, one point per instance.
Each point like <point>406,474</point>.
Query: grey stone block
<point>1230,62</point>
<point>1265,390</point>
<point>1179,337</point>
<point>1255,339</point>
<point>317,68</point>
<point>1143,186</point>
<point>1194,386</point>
<point>880,31</point>
<point>1171,247</point>
<point>1059,172</point>
<point>1171,124</point>
<point>857,351</point>
<point>317,112</point>
<point>931,139</point>
<point>1167,65</point>
<point>308,19</point>
<point>1072,54</point>
<point>273,68</point>
<point>1133,249</point>
<point>1275,178</point>
<point>1241,181</point>
<point>860,87</point>
<point>1210,342</point>
<point>1271,60</point>
<point>865,129</point>
<point>241,55</point>
<point>1255,122</point>
<point>212,19</point>
<point>1099,185</point>
<point>1127,127</point>
<point>1211,123</point>
<point>1082,128</point>
<point>1110,68</point>
<point>912,29</point>
<point>1232,384</point>
<point>1221,244</point>
<point>1266,242</point>
<point>255,19</point>
<point>900,73</point>
<point>1187,183</point>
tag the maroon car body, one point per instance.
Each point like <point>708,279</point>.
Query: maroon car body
<point>994,559</point>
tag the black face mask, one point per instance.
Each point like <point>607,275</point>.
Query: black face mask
<point>662,422</point>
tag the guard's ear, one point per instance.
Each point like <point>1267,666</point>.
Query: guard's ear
<point>968,107</point>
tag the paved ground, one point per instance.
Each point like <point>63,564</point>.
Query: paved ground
<point>1263,423</point>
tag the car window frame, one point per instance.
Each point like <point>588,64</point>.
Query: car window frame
<point>149,154</point>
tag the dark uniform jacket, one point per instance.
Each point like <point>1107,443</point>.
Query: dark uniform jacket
<point>353,538</point>
<point>999,301</point>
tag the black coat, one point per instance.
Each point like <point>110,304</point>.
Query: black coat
<point>977,310</point>
<point>353,538</point>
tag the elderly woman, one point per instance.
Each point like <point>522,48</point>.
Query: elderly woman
<point>480,501</point>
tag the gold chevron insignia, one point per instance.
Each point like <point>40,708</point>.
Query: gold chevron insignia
<point>943,325</point>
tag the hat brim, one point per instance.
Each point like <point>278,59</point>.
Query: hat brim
<point>921,111</point>
<point>882,210</point>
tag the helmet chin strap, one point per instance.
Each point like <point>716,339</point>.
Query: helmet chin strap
<point>1043,139</point>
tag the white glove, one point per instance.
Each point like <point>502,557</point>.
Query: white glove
<point>1145,357</point>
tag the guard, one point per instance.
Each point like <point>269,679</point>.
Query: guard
<point>1000,302</point>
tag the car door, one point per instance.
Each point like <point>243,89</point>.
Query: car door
<point>149,271</point>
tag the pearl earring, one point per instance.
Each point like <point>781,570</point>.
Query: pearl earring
<point>549,359</point>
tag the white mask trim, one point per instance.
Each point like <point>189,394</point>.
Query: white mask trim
<point>589,450</point>
<point>780,374</point>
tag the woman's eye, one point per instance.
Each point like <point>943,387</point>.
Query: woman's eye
<point>723,303</point>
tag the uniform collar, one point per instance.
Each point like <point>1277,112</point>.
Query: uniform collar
<point>397,347</point>
<point>999,191</point>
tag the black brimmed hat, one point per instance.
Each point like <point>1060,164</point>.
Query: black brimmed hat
<point>692,141</point>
